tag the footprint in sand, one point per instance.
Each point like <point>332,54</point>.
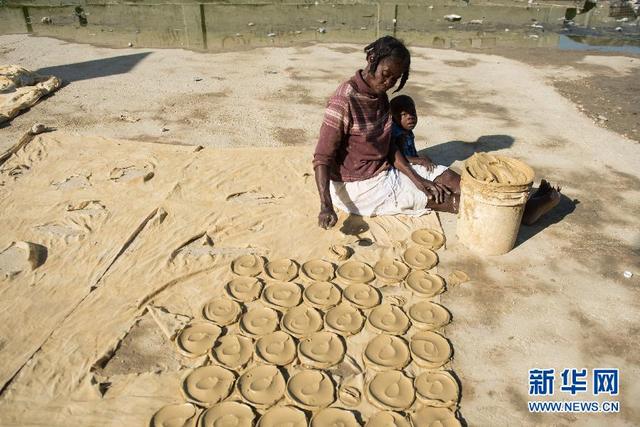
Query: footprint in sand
<point>133,173</point>
<point>253,197</point>
<point>73,182</point>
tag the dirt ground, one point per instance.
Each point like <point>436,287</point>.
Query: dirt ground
<point>558,300</point>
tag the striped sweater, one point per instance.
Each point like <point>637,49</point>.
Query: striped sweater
<point>355,136</point>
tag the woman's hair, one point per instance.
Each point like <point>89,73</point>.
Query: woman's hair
<point>386,47</point>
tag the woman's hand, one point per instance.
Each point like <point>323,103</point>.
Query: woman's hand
<point>327,217</point>
<point>434,191</point>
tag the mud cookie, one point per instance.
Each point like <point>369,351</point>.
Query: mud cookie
<point>437,388</point>
<point>176,415</point>
<point>262,385</point>
<point>386,352</point>
<point>390,270</point>
<point>387,419</point>
<point>362,295</point>
<point>232,351</point>
<point>344,319</point>
<point>281,295</point>
<point>244,289</point>
<point>311,389</point>
<point>388,318</point>
<point>247,265</point>
<point>420,258</point>
<point>355,272</point>
<point>208,385</point>
<point>277,348</point>
<point>278,416</point>
<point>391,390</point>
<point>424,284</point>
<point>428,238</point>
<point>222,311</point>
<point>321,350</point>
<point>301,321</point>
<point>429,416</point>
<point>197,338</point>
<point>430,349</point>
<point>340,252</point>
<point>318,270</point>
<point>283,269</point>
<point>322,295</point>
<point>259,321</point>
<point>227,414</point>
<point>334,417</point>
<point>428,315</point>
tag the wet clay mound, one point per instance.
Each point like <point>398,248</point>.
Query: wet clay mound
<point>497,169</point>
<point>21,89</point>
<point>269,320</point>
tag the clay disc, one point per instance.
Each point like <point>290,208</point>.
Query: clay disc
<point>391,390</point>
<point>259,321</point>
<point>389,318</point>
<point>244,289</point>
<point>311,389</point>
<point>176,415</point>
<point>277,348</point>
<point>355,272</point>
<point>318,270</point>
<point>197,338</point>
<point>247,265</point>
<point>431,239</point>
<point>344,319</point>
<point>222,311</point>
<point>301,321</point>
<point>387,352</point>
<point>208,385</point>
<point>322,295</point>
<point>283,269</point>
<point>262,385</point>
<point>387,419</point>
<point>362,295</point>
<point>424,284</point>
<point>321,350</point>
<point>279,416</point>
<point>420,258</point>
<point>430,349</point>
<point>227,414</point>
<point>429,416</point>
<point>437,388</point>
<point>282,295</point>
<point>391,270</point>
<point>232,351</point>
<point>334,417</point>
<point>340,252</point>
<point>428,315</point>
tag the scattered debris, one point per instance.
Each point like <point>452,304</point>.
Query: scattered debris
<point>619,29</point>
<point>46,20</point>
<point>322,21</point>
<point>534,36</point>
<point>127,118</point>
<point>298,32</point>
<point>322,30</point>
<point>130,44</point>
<point>453,18</point>
<point>602,118</point>
<point>506,30</point>
<point>538,26</point>
<point>363,28</point>
<point>38,128</point>
<point>251,24</point>
<point>271,35</point>
<point>476,22</point>
<point>197,79</point>
<point>628,274</point>
<point>431,7</point>
<point>164,129</point>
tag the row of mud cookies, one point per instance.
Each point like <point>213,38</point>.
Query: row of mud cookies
<point>321,345</point>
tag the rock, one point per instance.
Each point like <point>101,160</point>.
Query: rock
<point>38,128</point>
<point>453,18</point>
<point>130,44</point>
<point>164,129</point>
<point>322,21</point>
<point>298,32</point>
<point>197,79</point>
<point>602,118</point>
<point>533,36</point>
<point>619,29</point>
<point>322,30</point>
<point>271,35</point>
<point>538,26</point>
<point>506,30</point>
<point>45,20</point>
<point>251,24</point>
<point>363,28</point>
<point>476,22</point>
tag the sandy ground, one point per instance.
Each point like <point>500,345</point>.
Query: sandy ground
<point>558,300</point>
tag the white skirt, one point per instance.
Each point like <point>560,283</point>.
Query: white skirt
<point>389,193</point>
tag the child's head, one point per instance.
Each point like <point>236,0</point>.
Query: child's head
<point>403,111</point>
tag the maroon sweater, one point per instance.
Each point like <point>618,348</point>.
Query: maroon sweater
<point>355,136</point>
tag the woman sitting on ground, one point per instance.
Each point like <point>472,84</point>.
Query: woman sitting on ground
<point>360,171</point>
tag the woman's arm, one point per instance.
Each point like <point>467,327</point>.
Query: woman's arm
<point>327,217</point>
<point>434,191</point>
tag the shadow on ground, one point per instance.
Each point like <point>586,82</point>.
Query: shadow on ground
<point>449,152</point>
<point>96,68</point>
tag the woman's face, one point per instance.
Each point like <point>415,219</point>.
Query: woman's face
<point>387,73</point>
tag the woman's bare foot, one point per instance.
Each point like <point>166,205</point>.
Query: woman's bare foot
<point>540,204</point>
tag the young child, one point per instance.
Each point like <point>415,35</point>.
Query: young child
<point>405,118</point>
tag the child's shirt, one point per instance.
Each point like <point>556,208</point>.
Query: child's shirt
<point>406,140</point>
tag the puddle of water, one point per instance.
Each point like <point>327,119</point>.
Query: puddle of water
<point>222,27</point>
